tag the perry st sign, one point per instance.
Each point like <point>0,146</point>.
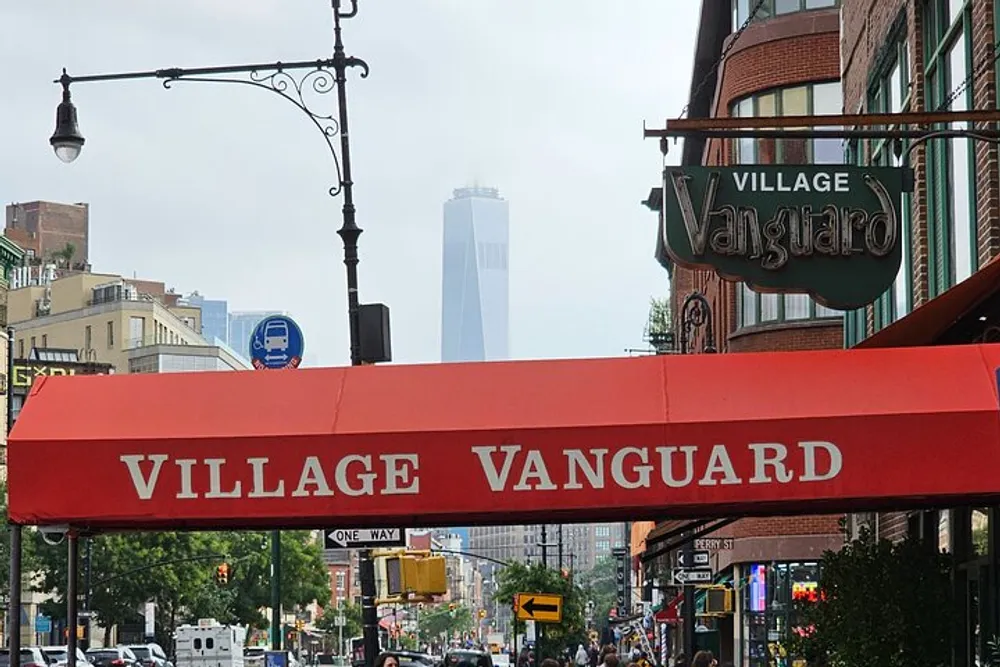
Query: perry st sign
<point>829,231</point>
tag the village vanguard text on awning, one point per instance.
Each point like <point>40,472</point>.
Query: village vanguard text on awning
<point>512,442</point>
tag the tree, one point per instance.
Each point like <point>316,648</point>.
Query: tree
<point>598,586</point>
<point>659,327</point>
<point>27,552</point>
<point>519,578</point>
<point>176,570</point>
<point>443,620</point>
<point>327,622</point>
<point>880,603</point>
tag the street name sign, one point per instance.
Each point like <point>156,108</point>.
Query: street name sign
<point>714,543</point>
<point>699,558</point>
<point>693,576</point>
<point>832,231</point>
<point>540,607</point>
<point>363,538</point>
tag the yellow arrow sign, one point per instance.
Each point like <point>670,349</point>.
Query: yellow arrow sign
<point>541,607</point>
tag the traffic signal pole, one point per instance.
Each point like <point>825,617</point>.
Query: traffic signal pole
<point>369,614</point>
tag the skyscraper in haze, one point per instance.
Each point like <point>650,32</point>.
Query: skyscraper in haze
<point>474,284</point>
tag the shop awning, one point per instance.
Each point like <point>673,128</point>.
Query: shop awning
<point>510,443</point>
<point>926,324</point>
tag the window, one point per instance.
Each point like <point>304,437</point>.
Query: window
<point>950,167</point>
<point>341,581</point>
<point>20,349</point>
<point>111,334</point>
<point>771,8</point>
<point>602,531</point>
<point>88,338</point>
<point>45,341</point>
<point>33,345</point>
<point>603,545</point>
<point>817,98</point>
<point>889,92</point>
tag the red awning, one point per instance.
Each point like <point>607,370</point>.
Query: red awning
<point>669,612</point>
<point>512,442</point>
<point>928,322</point>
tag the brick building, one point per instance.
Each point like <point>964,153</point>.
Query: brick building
<point>46,230</point>
<point>930,55</point>
<point>785,62</point>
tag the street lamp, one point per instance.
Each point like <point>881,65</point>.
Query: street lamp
<point>696,313</point>
<point>369,323</point>
<point>66,140</point>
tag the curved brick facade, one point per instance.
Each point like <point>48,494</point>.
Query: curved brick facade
<point>784,51</point>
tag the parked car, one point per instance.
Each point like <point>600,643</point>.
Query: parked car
<point>59,655</point>
<point>31,656</point>
<point>462,658</point>
<point>119,656</point>
<point>150,655</point>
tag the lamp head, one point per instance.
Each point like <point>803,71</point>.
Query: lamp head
<point>66,140</point>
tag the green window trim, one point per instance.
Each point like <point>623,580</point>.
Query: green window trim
<point>773,8</point>
<point>941,33</point>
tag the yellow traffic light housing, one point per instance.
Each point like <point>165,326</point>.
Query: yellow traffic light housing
<point>412,574</point>
<point>718,600</point>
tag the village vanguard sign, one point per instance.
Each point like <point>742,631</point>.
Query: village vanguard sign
<point>830,231</point>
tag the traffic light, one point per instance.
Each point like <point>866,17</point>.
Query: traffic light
<point>418,576</point>
<point>300,625</point>
<point>222,574</point>
<point>451,606</point>
<point>482,613</point>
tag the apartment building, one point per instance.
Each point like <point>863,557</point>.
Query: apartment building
<point>103,316</point>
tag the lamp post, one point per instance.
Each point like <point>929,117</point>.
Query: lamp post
<point>369,323</point>
<point>696,313</point>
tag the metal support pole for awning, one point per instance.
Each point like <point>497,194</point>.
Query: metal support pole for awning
<point>14,578</point>
<point>680,530</point>
<point>688,538</point>
<point>72,593</point>
<point>14,603</point>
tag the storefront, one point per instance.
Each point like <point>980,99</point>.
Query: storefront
<point>768,593</point>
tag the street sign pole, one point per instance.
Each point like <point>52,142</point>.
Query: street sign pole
<point>689,619</point>
<point>276,343</point>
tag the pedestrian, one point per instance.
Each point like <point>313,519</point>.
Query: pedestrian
<point>582,657</point>
<point>386,660</point>
<point>611,660</point>
<point>680,660</point>
<point>550,662</point>
<point>704,659</point>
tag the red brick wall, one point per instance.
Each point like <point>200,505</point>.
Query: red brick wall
<point>791,525</point>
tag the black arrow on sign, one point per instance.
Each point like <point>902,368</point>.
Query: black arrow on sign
<point>531,607</point>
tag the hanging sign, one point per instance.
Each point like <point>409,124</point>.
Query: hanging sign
<point>829,231</point>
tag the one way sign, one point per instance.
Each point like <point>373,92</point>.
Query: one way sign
<point>363,538</point>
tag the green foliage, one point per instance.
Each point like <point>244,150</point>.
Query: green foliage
<point>598,586</point>
<point>520,578</point>
<point>440,620</point>
<point>176,570</point>
<point>882,603</point>
<point>27,553</point>
<point>659,325</point>
<point>352,615</point>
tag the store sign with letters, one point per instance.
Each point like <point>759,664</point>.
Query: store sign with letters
<point>829,231</point>
<point>24,376</point>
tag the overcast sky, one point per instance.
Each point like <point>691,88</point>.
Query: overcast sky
<point>223,188</point>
